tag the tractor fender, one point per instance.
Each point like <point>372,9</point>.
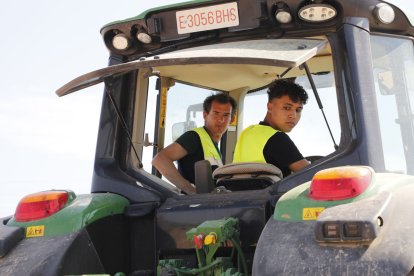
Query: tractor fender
<point>69,254</point>
<point>291,247</point>
<point>79,239</point>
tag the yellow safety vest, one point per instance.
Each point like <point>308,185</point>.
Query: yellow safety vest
<point>210,151</point>
<point>252,140</point>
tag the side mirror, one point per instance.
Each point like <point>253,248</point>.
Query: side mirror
<point>386,83</point>
<point>179,128</point>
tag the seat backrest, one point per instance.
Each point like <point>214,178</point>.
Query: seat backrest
<point>247,176</point>
<point>203,177</point>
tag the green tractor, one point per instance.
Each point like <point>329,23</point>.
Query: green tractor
<point>348,212</point>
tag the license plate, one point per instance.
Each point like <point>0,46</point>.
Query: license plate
<point>207,18</point>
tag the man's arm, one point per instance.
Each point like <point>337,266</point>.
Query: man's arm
<point>280,149</point>
<point>298,165</point>
<point>164,163</point>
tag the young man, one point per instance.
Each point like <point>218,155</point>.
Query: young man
<point>268,142</point>
<point>197,144</point>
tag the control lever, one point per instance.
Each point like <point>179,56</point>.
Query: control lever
<point>147,143</point>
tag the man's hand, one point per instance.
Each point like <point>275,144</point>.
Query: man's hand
<point>298,165</point>
<point>190,190</point>
<point>164,163</point>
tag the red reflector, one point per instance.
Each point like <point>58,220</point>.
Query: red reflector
<point>40,205</point>
<point>340,183</point>
<point>198,241</point>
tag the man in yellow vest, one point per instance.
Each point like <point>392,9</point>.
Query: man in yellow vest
<point>267,142</point>
<point>197,144</point>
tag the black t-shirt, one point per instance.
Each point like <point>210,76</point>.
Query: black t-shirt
<point>281,151</point>
<point>191,142</point>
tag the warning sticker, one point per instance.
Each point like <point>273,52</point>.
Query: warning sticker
<point>311,213</point>
<point>234,121</point>
<point>163,107</point>
<point>35,231</point>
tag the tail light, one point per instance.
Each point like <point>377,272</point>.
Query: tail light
<point>340,183</point>
<point>40,205</point>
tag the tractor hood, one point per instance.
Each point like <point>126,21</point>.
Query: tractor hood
<point>268,57</point>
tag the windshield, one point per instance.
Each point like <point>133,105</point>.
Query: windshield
<point>393,62</point>
<point>285,53</point>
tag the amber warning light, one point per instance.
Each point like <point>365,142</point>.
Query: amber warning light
<point>40,205</point>
<point>340,183</point>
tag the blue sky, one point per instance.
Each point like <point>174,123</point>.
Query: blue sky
<point>48,142</point>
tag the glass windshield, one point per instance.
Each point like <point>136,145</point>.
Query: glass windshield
<point>393,62</point>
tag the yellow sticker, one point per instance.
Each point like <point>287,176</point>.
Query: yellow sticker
<point>234,121</point>
<point>35,231</point>
<point>311,213</point>
<point>163,107</point>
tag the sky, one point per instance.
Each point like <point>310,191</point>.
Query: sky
<point>47,142</point>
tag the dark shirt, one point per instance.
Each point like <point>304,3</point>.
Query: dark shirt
<point>191,142</point>
<point>281,151</point>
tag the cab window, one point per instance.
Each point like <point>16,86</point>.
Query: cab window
<point>393,67</point>
<point>311,135</point>
<point>183,112</point>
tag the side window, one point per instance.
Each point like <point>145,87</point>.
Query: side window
<point>393,61</point>
<point>183,111</point>
<point>147,153</point>
<point>311,135</point>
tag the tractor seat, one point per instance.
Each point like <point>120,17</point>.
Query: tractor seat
<point>246,176</point>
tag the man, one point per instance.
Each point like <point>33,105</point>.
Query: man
<point>268,142</point>
<point>197,144</point>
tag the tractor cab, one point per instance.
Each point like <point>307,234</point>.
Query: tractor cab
<point>174,86</point>
<point>349,209</point>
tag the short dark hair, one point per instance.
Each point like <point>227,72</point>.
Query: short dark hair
<point>222,98</point>
<point>281,88</point>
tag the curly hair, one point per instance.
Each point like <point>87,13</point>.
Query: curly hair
<point>281,88</point>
